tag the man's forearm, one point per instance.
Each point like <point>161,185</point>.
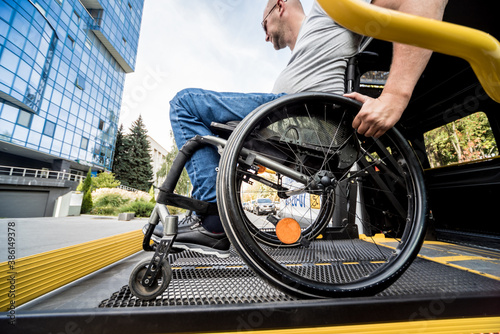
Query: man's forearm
<point>407,66</point>
<point>378,115</point>
<point>408,61</point>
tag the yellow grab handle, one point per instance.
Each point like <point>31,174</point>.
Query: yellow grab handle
<point>480,49</point>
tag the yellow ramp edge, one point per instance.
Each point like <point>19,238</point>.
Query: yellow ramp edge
<point>36,275</point>
<point>480,49</point>
<point>446,326</point>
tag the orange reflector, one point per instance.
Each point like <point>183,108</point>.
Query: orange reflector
<point>261,170</point>
<point>288,231</point>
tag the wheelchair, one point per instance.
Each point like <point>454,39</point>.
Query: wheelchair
<point>352,210</point>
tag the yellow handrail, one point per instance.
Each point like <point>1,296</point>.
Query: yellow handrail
<point>480,49</point>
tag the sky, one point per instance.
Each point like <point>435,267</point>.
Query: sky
<point>212,44</point>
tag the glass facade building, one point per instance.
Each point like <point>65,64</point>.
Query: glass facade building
<point>62,70</point>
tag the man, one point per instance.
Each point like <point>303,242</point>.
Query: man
<point>320,49</point>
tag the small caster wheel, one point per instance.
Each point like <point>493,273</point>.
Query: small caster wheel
<point>161,281</point>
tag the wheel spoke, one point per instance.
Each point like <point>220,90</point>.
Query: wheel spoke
<point>373,186</point>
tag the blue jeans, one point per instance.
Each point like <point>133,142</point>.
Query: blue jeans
<point>191,112</point>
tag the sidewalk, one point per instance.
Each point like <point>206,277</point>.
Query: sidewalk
<point>38,235</point>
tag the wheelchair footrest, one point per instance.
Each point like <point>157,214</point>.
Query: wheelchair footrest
<point>188,203</point>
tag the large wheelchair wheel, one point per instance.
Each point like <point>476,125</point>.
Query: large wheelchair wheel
<point>301,150</point>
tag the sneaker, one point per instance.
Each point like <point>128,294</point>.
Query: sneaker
<point>197,239</point>
<point>187,221</point>
<point>183,224</point>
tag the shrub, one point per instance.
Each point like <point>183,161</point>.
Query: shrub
<point>87,184</point>
<point>105,210</point>
<point>173,210</point>
<point>141,208</point>
<point>110,200</point>
<point>86,202</point>
<point>87,195</point>
<point>105,180</point>
<point>129,195</point>
<point>152,194</point>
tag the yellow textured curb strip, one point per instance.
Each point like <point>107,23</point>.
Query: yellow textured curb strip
<point>35,275</point>
<point>448,326</point>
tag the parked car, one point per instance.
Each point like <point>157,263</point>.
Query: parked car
<point>264,205</point>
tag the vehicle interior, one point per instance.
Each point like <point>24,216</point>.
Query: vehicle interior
<point>462,194</point>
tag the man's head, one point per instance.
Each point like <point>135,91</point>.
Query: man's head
<point>281,22</point>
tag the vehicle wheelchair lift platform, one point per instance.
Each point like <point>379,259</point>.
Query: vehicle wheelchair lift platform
<point>452,287</point>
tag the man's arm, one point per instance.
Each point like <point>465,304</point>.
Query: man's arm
<point>380,114</point>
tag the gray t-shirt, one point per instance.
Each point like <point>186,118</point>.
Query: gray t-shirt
<point>319,59</point>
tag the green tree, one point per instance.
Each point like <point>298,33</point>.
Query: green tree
<point>132,162</point>
<point>104,180</point>
<point>87,183</point>
<point>119,167</point>
<point>183,186</point>
<point>152,194</point>
<point>464,140</point>
<point>87,193</point>
<point>141,170</point>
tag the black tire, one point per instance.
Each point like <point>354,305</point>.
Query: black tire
<point>388,176</point>
<point>161,282</point>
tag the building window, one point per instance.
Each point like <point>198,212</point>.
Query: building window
<point>59,2</point>
<point>80,82</point>
<point>70,42</point>
<point>101,124</point>
<point>84,144</point>
<point>49,128</point>
<point>76,17</point>
<point>40,9</point>
<point>124,41</point>
<point>24,118</point>
<point>129,6</point>
<point>88,43</point>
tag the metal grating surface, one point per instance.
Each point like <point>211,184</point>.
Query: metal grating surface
<point>207,280</point>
